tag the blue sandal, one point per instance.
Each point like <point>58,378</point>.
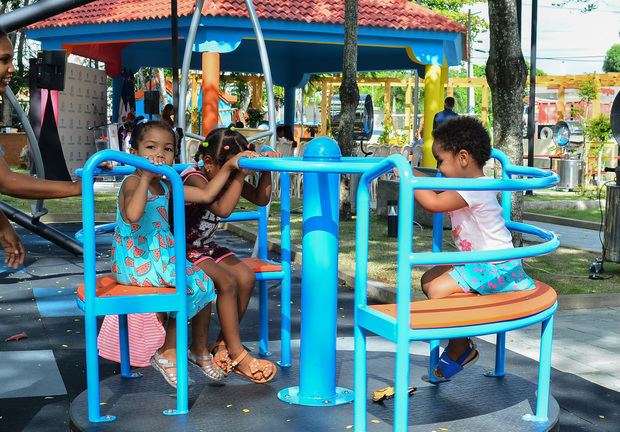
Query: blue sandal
<point>449,367</point>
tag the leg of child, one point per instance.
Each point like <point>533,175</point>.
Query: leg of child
<point>168,350</point>
<point>437,283</point>
<point>200,333</point>
<point>227,307</point>
<point>245,279</point>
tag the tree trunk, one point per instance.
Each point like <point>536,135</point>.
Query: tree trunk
<point>161,88</point>
<point>349,97</point>
<point>506,74</point>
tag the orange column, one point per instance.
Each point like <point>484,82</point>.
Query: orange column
<point>210,90</point>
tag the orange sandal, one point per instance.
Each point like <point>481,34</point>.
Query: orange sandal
<point>262,371</point>
<point>221,359</point>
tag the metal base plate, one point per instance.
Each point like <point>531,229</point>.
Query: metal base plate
<point>471,401</point>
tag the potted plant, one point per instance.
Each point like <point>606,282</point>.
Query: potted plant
<point>312,130</point>
<point>254,117</point>
<point>596,132</point>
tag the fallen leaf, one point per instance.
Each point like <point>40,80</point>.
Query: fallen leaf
<point>386,393</point>
<point>103,403</point>
<point>375,421</point>
<point>228,406</point>
<point>443,429</point>
<point>245,410</point>
<point>48,397</point>
<point>602,416</point>
<point>65,346</point>
<point>16,337</point>
<point>349,427</point>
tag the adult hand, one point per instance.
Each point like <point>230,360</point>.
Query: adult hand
<point>13,247</point>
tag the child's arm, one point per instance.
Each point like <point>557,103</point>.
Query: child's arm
<point>201,192</point>
<point>135,190</point>
<point>261,194</point>
<point>23,186</point>
<point>12,244</point>
<point>440,201</point>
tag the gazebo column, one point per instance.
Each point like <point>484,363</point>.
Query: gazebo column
<point>433,103</point>
<point>117,89</point>
<point>210,91</point>
<point>289,107</point>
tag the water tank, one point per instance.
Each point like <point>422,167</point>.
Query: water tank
<point>364,117</point>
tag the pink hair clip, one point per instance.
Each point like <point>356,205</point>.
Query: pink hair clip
<point>249,146</point>
<point>226,147</point>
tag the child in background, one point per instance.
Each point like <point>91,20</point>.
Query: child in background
<point>234,280</point>
<point>461,147</point>
<point>143,247</point>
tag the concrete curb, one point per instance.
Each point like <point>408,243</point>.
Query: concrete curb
<point>384,293</point>
<point>537,217</point>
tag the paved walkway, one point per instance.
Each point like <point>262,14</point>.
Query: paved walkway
<point>571,237</point>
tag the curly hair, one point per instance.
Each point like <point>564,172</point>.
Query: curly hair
<point>464,133</point>
<point>221,144</point>
<point>143,126</point>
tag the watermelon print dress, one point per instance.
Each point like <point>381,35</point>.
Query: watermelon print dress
<point>143,254</point>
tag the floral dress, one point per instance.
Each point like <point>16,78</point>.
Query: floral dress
<point>143,254</point>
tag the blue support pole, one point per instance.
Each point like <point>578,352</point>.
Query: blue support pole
<point>500,356</point>
<point>544,373</point>
<point>285,289</point>
<point>319,284</point>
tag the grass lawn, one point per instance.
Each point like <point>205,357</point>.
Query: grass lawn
<point>591,215</point>
<point>566,270</point>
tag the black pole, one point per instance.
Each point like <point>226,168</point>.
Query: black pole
<point>531,109</point>
<point>47,232</point>
<point>175,55</point>
<point>35,12</point>
<point>519,10</point>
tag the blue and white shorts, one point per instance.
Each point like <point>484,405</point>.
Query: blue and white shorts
<point>492,278</point>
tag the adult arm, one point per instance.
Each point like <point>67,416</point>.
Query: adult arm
<point>23,186</point>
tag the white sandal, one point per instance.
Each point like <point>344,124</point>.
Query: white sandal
<point>210,370</point>
<point>161,364</point>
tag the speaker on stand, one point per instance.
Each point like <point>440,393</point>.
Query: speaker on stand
<point>151,103</point>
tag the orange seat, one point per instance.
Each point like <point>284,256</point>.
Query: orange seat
<point>260,266</point>
<point>465,309</point>
<point>107,286</point>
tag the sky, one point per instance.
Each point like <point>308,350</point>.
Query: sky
<point>568,41</point>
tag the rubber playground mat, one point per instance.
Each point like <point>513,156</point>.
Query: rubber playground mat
<point>42,374</point>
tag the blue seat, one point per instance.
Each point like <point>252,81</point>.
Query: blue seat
<point>458,315</point>
<point>104,296</point>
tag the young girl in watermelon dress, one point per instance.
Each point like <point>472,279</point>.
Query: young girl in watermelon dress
<point>143,246</point>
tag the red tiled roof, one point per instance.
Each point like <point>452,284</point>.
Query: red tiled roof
<point>392,14</point>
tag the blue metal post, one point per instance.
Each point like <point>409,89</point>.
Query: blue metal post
<point>123,339</point>
<point>285,288</point>
<point>544,373</point>
<point>319,284</point>
<point>500,356</point>
<point>263,293</point>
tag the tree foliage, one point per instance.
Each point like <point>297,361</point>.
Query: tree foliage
<point>456,11</point>
<point>612,59</point>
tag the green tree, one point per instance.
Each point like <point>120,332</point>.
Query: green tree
<point>456,10</point>
<point>612,59</point>
<point>588,91</point>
